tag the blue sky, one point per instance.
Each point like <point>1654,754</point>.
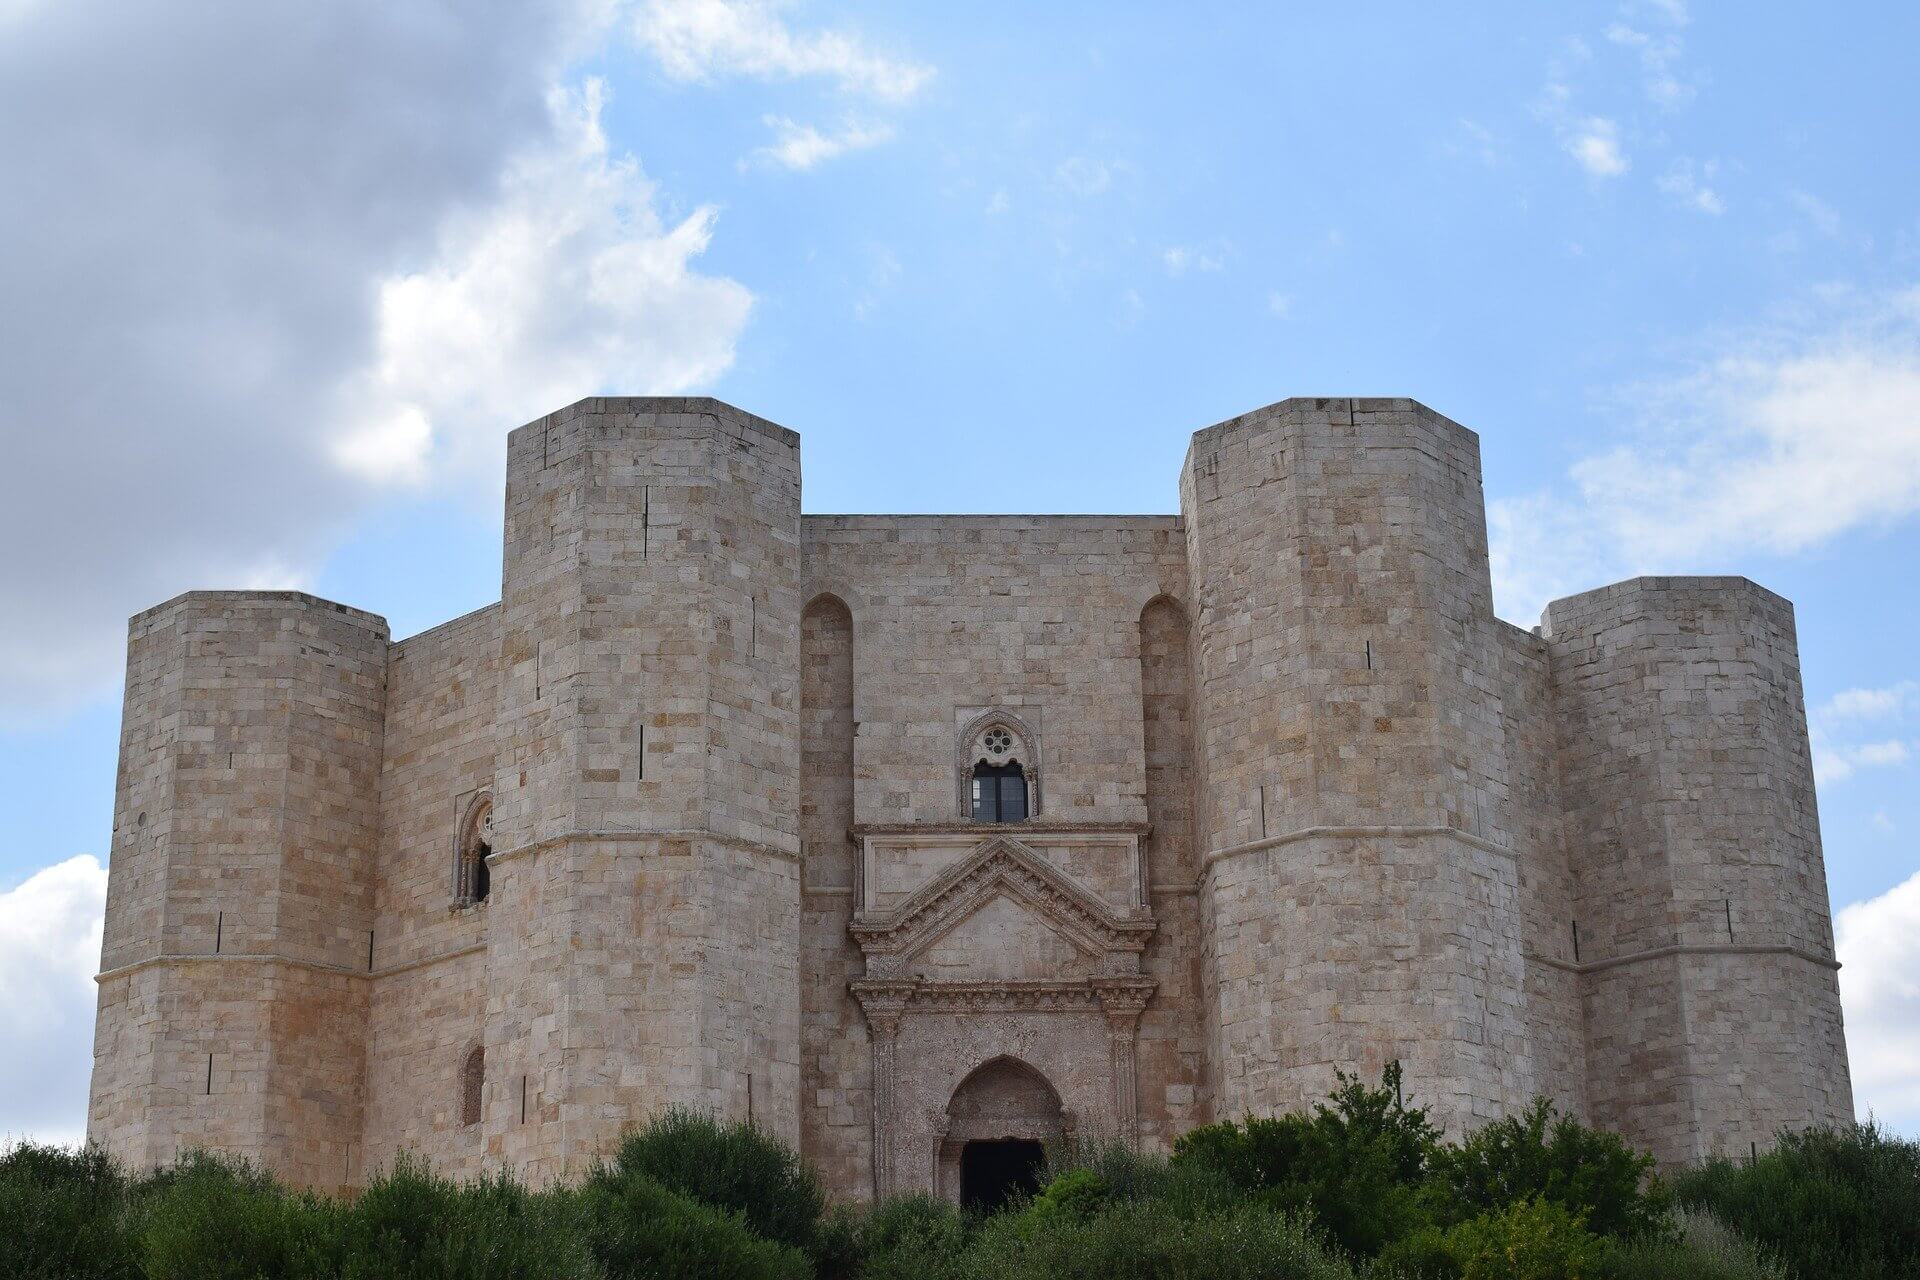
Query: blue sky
<point>290,288</point>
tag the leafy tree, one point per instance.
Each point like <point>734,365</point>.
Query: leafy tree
<point>1544,1155</point>
<point>1357,1163</point>
<point>729,1166</point>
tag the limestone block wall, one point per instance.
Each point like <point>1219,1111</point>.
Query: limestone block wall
<point>1555,1016</point>
<point>233,1000</point>
<point>428,993</point>
<point>647,788</point>
<point>1360,900</point>
<point>1712,1010</point>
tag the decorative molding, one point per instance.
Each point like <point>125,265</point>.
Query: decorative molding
<point>294,962</point>
<point>1685,949</point>
<point>1355,833</point>
<point>1000,864</point>
<point>679,833</point>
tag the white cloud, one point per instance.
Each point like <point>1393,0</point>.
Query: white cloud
<point>1595,143</point>
<point>567,284</point>
<point>1878,942</point>
<point>1836,763</point>
<point>1180,259</point>
<point>1659,53</point>
<point>703,40</point>
<point>1083,176</point>
<point>1279,304</point>
<point>998,204</point>
<point>49,952</point>
<point>1776,440</point>
<point>1861,704</point>
<point>801,146</point>
<point>1687,183</point>
<point>1881,822</point>
<point>260,253</point>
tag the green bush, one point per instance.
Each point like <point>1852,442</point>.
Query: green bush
<point>1531,1239</point>
<point>641,1230</point>
<point>214,1218</point>
<point>1358,1163</point>
<point>729,1166</point>
<point>1143,1240</point>
<point>1539,1154</point>
<point>1705,1249</point>
<point>1073,1196</point>
<point>1185,1188</point>
<point>1832,1203</point>
<point>915,1238</point>
<point>410,1223</point>
<point>64,1216</point>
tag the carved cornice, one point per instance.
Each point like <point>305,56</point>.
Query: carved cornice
<point>890,1000</point>
<point>999,865</point>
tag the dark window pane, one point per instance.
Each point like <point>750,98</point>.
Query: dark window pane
<point>1013,797</point>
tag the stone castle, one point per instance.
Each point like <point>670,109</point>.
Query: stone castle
<point>916,840</point>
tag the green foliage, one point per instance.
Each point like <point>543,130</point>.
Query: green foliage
<point>641,1230</point>
<point>64,1215</point>
<point>1531,1239</point>
<point>1539,1154</point>
<point>915,1238</point>
<point>729,1166</point>
<point>1704,1249</point>
<point>1073,1196</point>
<point>213,1218</point>
<point>1357,1164</point>
<point>412,1224</point>
<point>1185,1188</point>
<point>1141,1239</point>
<point>1831,1203</point>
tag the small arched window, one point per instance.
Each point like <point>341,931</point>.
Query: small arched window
<point>473,1078</point>
<point>476,843</point>
<point>999,777</point>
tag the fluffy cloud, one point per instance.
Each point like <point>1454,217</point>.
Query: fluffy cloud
<point>1688,184</point>
<point>802,146</point>
<point>1878,942</point>
<point>567,282</point>
<point>267,242</point>
<point>1595,143</point>
<point>1777,440</point>
<point>704,40</point>
<point>49,950</point>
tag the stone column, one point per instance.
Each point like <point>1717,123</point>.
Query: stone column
<point>883,1003</point>
<point>1123,1003</point>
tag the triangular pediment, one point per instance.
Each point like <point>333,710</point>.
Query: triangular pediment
<point>1002,868</point>
<point>1002,937</point>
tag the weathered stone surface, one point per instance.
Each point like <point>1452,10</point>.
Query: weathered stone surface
<point>1298,802</point>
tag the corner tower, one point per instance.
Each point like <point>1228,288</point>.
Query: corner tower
<point>1705,943</point>
<point>233,984</point>
<point>643,932</point>
<point>1359,889</point>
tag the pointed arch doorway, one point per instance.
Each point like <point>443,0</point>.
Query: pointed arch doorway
<point>997,1128</point>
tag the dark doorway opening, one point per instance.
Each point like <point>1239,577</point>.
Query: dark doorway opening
<point>992,1173</point>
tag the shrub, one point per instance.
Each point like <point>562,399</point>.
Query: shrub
<point>1357,1163</point>
<point>914,1238</point>
<point>410,1223</point>
<point>1185,1188</point>
<point>65,1215</point>
<point>1531,1239</point>
<point>1539,1154</point>
<point>1144,1240</point>
<point>1704,1249</point>
<point>639,1229</point>
<point>729,1166</point>
<point>1831,1203</point>
<point>214,1218</point>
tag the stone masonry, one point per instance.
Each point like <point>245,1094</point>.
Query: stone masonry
<point>690,816</point>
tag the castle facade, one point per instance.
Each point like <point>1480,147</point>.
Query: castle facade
<point>917,840</point>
